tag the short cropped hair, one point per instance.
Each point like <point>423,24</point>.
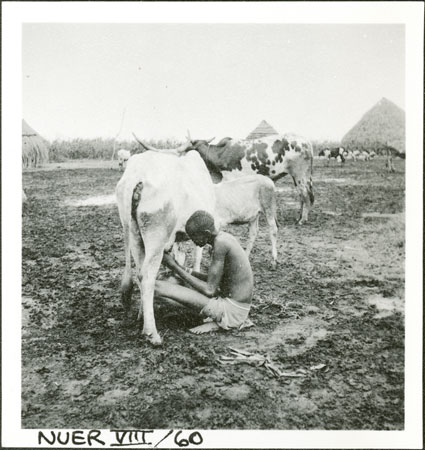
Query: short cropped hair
<point>200,221</point>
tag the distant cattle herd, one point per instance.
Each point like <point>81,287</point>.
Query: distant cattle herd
<point>341,155</point>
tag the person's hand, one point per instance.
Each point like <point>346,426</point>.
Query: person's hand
<point>168,260</point>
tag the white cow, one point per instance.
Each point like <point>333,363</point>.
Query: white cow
<point>241,200</point>
<point>123,157</point>
<point>156,196</point>
<point>363,156</point>
<point>356,154</point>
<point>348,155</point>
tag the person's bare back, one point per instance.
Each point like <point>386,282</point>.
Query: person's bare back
<point>237,281</point>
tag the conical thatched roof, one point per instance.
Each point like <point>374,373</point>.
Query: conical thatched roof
<point>262,129</point>
<point>382,125</point>
<point>35,149</point>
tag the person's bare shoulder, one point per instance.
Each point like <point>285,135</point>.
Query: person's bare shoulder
<point>226,241</point>
<point>230,237</point>
<point>221,243</point>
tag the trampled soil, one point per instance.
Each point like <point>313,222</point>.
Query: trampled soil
<point>330,319</point>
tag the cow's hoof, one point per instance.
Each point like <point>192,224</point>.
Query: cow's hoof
<point>273,265</point>
<point>154,339</point>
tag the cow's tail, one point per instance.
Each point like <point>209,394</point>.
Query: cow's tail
<point>310,182</point>
<point>135,199</point>
<point>274,208</point>
<point>127,205</point>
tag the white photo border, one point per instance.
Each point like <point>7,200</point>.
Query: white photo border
<point>411,14</point>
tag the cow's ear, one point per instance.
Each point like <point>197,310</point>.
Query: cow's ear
<point>224,141</point>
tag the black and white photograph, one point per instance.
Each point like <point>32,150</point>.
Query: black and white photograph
<point>212,224</point>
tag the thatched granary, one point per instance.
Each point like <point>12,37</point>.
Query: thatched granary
<point>263,129</point>
<point>380,127</point>
<point>35,150</point>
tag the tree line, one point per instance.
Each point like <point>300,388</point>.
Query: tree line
<point>99,148</point>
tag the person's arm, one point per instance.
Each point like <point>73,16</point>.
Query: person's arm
<point>201,276</point>
<point>215,271</point>
<point>185,274</point>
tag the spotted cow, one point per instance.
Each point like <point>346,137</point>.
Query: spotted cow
<point>324,153</point>
<point>271,156</point>
<point>337,153</point>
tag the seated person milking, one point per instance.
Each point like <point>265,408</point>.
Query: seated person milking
<point>225,293</point>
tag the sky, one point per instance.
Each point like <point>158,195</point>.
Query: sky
<point>159,80</point>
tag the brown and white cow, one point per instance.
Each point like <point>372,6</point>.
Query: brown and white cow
<point>156,196</point>
<point>323,153</point>
<point>338,154</point>
<point>271,156</point>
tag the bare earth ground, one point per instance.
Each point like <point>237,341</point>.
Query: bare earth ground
<point>326,352</point>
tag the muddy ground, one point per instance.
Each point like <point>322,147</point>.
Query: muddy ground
<point>326,352</point>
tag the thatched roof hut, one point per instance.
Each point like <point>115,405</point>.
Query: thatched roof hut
<point>35,150</point>
<point>263,129</point>
<point>380,127</point>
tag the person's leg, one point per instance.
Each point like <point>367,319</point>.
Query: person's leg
<point>187,297</point>
<point>181,294</point>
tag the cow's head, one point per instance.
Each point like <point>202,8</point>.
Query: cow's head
<point>200,144</point>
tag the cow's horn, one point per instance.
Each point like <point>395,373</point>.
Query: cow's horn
<point>210,140</point>
<point>144,145</point>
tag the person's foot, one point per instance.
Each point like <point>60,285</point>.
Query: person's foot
<point>205,328</point>
<point>247,324</point>
<point>208,319</point>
